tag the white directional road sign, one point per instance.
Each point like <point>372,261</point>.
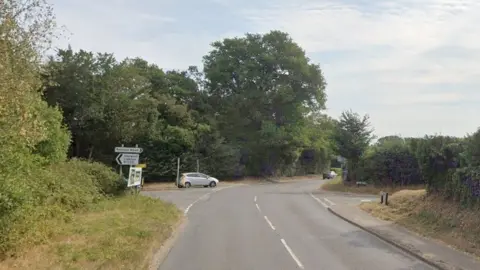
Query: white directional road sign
<point>127,159</point>
<point>131,150</point>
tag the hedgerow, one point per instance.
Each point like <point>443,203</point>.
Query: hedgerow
<point>448,166</point>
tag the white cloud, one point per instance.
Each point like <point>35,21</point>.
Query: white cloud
<point>401,78</point>
<point>400,54</point>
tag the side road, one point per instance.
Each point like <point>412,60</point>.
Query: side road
<point>434,253</point>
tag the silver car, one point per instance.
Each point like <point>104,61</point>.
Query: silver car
<point>197,179</point>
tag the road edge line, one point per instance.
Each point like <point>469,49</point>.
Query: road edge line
<point>389,241</point>
<point>162,253</point>
<point>319,201</point>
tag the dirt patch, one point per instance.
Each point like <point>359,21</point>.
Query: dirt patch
<point>433,217</point>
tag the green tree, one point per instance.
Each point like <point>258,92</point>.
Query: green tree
<point>352,137</point>
<point>261,88</point>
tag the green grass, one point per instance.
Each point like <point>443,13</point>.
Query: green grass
<point>120,233</point>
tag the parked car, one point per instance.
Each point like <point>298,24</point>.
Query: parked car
<point>329,175</point>
<point>197,179</point>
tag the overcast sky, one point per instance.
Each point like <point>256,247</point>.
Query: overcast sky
<point>412,65</point>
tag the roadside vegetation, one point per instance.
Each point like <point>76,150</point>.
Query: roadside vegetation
<point>62,202</point>
<point>435,180</point>
<point>432,216</point>
<point>63,205</point>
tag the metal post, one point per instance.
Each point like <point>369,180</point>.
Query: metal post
<point>121,171</point>
<point>178,171</point>
<point>386,198</point>
<point>198,166</point>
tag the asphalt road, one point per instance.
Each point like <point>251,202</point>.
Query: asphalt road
<point>277,226</point>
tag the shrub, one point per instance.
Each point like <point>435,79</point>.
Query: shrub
<point>30,198</point>
<point>108,182</point>
<point>338,171</point>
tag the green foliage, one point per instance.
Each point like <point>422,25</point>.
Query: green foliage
<point>390,163</point>
<point>448,166</point>
<point>338,171</point>
<point>37,184</point>
<point>54,147</point>
<point>34,192</point>
<point>266,121</point>
<point>352,137</point>
<point>262,99</point>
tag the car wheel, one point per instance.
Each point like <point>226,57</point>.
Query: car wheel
<point>187,184</point>
<point>213,184</point>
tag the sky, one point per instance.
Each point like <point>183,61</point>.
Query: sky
<point>412,65</point>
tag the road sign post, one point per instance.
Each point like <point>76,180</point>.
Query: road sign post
<point>178,172</point>
<point>130,156</point>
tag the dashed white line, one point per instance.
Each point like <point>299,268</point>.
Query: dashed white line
<point>258,207</point>
<point>269,223</point>
<point>255,199</point>
<point>330,202</point>
<point>319,201</point>
<point>295,258</point>
<point>366,200</point>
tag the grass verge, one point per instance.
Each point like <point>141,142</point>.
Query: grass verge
<point>118,233</point>
<point>337,185</point>
<point>432,217</point>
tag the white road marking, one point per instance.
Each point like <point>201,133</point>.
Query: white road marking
<point>292,254</point>
<point>202,197</point>
<point>319,201</point>
<point>258,207</point>
<point>269,223</point>
<point>255,199</point>
<point>366,200</point>
<point>330,202</point>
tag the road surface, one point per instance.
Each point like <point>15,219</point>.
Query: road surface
<point>277,226</point>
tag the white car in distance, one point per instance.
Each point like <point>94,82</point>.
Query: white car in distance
<point>197,179</point>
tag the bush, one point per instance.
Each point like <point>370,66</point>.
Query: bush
<point>392,165</point>
<point>338,171</point>
<point>105,179</point>
<point>30,198</point>
<point>449,166</point>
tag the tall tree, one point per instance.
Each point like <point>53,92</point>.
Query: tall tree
<point>263,87</point>
<point>352,136</point>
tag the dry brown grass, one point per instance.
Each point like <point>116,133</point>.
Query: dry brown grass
<point>432,217</point>
<point>337,185</point>
<point>300,178</point>
<point>121,233</point>
<point>159,186</point>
